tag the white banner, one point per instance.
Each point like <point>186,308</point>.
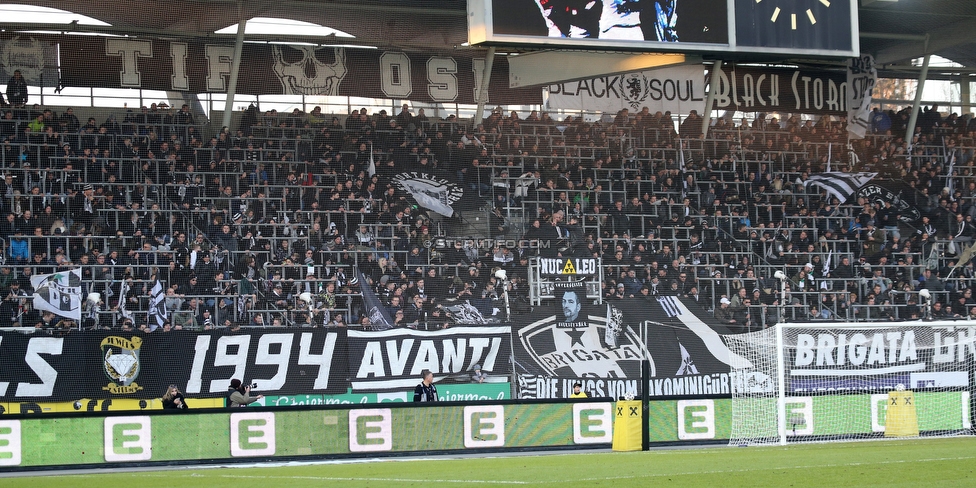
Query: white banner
<point>861,78</point>
<point>59,293</point>
<point>679,89</point>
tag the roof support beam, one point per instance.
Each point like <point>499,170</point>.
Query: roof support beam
<point>946,37</point>
<point>479,115</point>
<point>235,66</point>
<point>716,73</point>
<point>910,133</point>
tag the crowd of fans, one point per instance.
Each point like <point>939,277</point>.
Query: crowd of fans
<point>285,220</point>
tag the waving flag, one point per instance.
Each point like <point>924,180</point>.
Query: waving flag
<point>431,192</point>
<point>123,293</point>
<point>157,306</point>
<point>59,293</point>
<point>379,317</point>
<point>840,185</point>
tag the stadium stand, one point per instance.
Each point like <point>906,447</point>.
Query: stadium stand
<point>240,223</point>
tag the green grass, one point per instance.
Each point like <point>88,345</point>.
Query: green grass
<point>914,463</point>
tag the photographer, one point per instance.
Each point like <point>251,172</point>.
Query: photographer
<point>174,399</point>
<point>240,395</point>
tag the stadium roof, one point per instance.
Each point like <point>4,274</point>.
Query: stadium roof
<point>894,31</point>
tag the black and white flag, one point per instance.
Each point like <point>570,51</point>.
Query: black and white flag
<point>435,194</point>
<point>379,317</point>
<point>465,313</point>
<point>862,75</point>
<point>59,293</point>
<point>123,294</point>
<point>840,185</point>
<point>157,306</point>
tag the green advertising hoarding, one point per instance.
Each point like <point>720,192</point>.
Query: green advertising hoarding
<point>242,434</point>
<point>251,433</point>
<point>461,392</point>
<point>699,420</point>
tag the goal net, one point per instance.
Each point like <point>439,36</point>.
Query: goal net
<point>837,381</point>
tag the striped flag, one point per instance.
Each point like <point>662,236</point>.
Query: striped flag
<point>952,167</point>
<point>840,185</point>
<point>123,293</point>
<point>157,306</point>
<point>670,305</point>
<point>830,154</point>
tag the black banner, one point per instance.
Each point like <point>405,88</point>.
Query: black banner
<point>393,359</point>
<point>897,357</point>
<point>277,69</point>
<point>568,266</point>
<point>684,345</point>
<point>106,364</point>
<point>749,89</point>
<point>901,195</point>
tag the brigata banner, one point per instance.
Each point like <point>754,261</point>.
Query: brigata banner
<point>393,359</point>
<point>680,90</point>
<point>109,364</point>
<point>916,357</point>
<point>603,346</point>
<point>751,89</point>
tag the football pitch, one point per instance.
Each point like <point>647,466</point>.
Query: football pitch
<point>920,462</point>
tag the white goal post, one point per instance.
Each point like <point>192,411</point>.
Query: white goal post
<point>827,381</point>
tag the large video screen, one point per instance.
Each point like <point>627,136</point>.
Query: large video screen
<point>814,27</point>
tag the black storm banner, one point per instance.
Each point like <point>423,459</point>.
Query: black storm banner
<point>287,70</point>
<point>685,348</point>
<point>106,364</point>
<point>750,89</point>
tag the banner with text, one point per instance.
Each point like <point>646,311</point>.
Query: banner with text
<point>915,357</point>
<point>393,359</point>
<point>862,75</point>
<point>683,344</point>
<point>200,67</point>
<point>786,90</point>
<point>108,364</point>
<point>679,90</point>
<point>568,266</point>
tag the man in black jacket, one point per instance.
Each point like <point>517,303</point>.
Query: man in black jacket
<point>17,90</point>
<point>425,391</point>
